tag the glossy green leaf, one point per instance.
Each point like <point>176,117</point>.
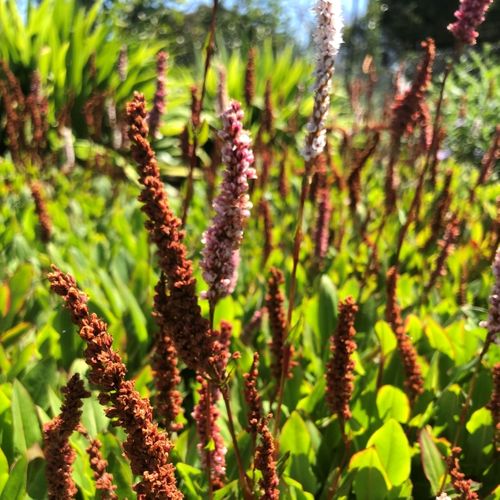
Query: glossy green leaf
<point>15,486</point>
<point>432,461</point>
<point>392,402</point>
<point>370,481</point>
<point>391,445</point>
<point>24,418</point>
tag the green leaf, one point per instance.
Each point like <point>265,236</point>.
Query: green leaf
<point>370,482</point>
<point>392,402</point>
<point>432,461</point>
<point>24,419</point>
<point>15,486</point>
<point>4,470</point>
<point>385,337</point>
<point>327,308</point>
<point>295,436</point>
<point>393,448</point>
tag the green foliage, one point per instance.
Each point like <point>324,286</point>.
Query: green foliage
<point>394,445</point>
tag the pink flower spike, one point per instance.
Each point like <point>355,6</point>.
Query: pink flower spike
<point>470,14</point>
<point>232,206</point>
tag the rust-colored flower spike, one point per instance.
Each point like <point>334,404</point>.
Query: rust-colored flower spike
<point>265,213</point>
<point>158,109</point>
<point>37,107</point>
<point>206,412</point>
<point>447,244</point>
<point>359,160</point>
<point>168,401</point>
<point>324,214</point>
<point>492,324</point>
<point>414,381</point>
<point>442,206</point>
<point>339,373</point>
<point>13,113</point>
<point>265,462</point>
<point>188,329</point>
<point>406,108</point>
<point>461,485</point>
<point>146,446</point>
<point>283,178</point>
<point>252,396</point>
<point>103,479</point>
<point>211,444</point>
<point>490,158</point>
<point>250,77</point>
<point>41,211</point>
<point>281,351</point>
<point>406,111</point>
<point>268,116</point>
<point>494,404</point>
<point>58,452</point>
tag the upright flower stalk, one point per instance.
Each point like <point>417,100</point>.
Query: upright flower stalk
<point>59,454</point>
<point>211,446</point>
<point>44,219</point>
<point>265,461</point>
<point>407,111</point>
<point>281,350</point>
<point>168,401</point>
<point>328,38</point>
<point>339,373</point>
<point>188,329</point>
<point>470,14</point>
<point>103,479</point>
<point>492,324</point>
<point>494,405</point>
<point>414,381</point>
<point>460,483</point>
<point>158,108</point>
<point>146,446</point>
<point>232,206</point>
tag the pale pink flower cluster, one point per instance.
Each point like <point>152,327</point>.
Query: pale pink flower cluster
<point>469,15</point>
<point>328,38</point>
<point>492,324</point>
<point>232,208</point>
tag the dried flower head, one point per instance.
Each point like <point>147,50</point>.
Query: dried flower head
<point>414,381</point>
<point>188,329</point>
<point>447,244</point>
<point>158,109</point>
<point>339,373</point>
<point>265,462</point>
<point>461,485</point>
<point>232,206</point>
<point>252,396</point>
<point>407,107</point>
<point>146,447</point>
<point>324,214</point>
<point>250,77</point>
<point>470,14</point>
<point>41,211</point>
<point>103,479</point>
<point>58,452</point>
<point>492,324</point>
<point>494,404</point>
<point>328,38</point>
<point>168,401</point>
<point>222,97</point>
<point>442,206</point>
<point>281,350</point>
<point>265,213</point>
